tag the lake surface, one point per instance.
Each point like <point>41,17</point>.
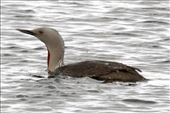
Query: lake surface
<point>133,32</point>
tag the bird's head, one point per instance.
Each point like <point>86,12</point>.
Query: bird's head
<point>54,43</point>
<point>46,35</point>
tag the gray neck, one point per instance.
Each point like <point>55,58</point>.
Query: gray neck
<point>55,54</point>
<point>55,59</point>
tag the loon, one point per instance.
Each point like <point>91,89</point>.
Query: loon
<point>105,71</point>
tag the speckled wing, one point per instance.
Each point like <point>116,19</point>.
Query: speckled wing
<point>102,70</point>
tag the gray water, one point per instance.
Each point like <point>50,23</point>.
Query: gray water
<point>133,32</point>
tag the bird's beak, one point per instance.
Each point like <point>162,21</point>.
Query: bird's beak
<point>27,31</point>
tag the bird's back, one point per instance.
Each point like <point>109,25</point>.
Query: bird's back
<point>102,70</point>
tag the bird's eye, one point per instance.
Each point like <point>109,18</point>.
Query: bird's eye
<point>41,32</point>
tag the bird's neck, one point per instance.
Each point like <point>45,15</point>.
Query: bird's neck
<point>55,58</point>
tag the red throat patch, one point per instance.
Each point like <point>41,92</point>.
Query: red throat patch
<point>48,59</point>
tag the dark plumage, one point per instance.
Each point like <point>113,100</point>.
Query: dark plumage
<point>101,70</point>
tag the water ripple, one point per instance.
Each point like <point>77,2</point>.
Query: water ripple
<point>132,32</point>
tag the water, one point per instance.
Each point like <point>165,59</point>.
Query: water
<point>132,32</point>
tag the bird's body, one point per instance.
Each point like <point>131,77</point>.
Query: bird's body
<point>101,70</point>
<point>106,71</point>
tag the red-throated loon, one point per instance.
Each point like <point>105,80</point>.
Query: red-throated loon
<point>99,70</point>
